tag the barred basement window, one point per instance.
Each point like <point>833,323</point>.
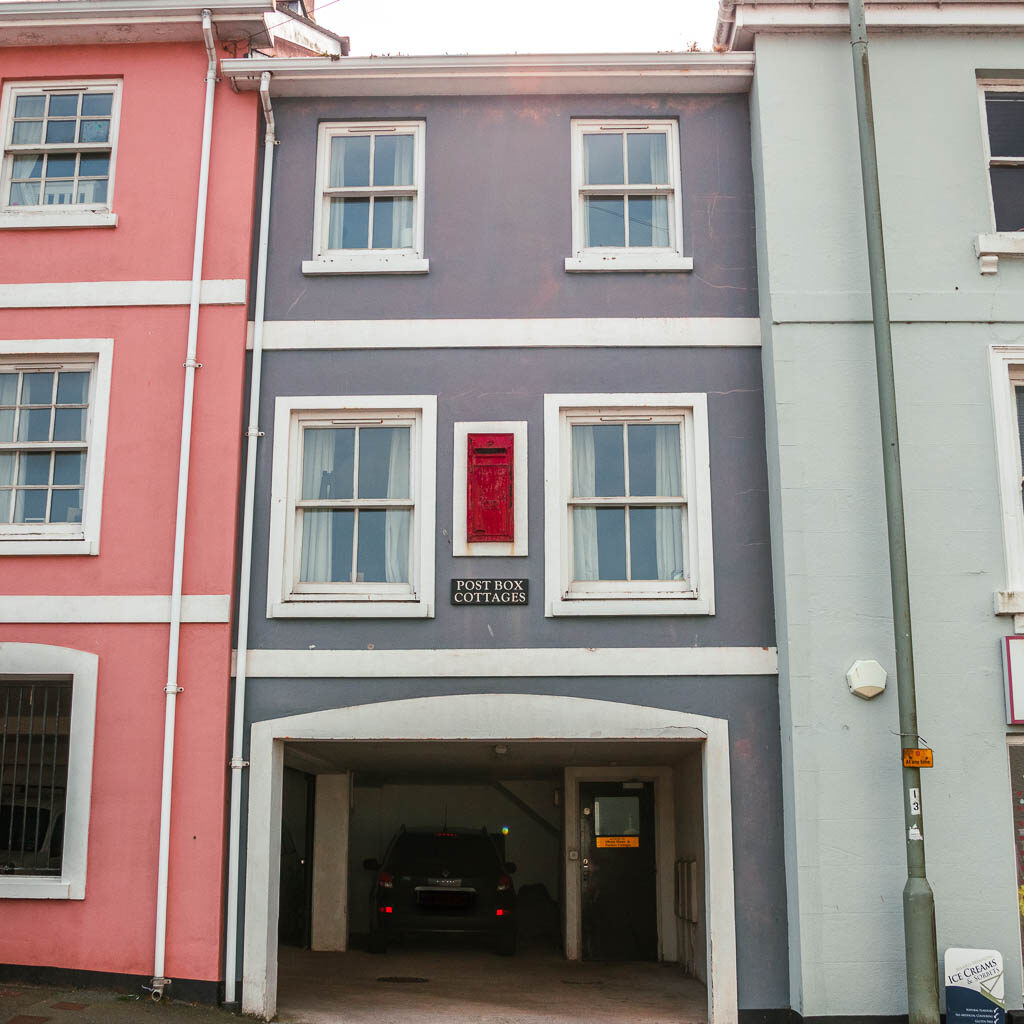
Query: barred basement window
<point>36,729</point>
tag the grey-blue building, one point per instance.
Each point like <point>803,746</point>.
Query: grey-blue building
<point>506,556</point>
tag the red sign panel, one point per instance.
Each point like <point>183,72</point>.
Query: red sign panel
<point>489,488</point>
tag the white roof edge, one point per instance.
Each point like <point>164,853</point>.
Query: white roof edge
<point>746,18</point>
<point>481,74</point>
<point>87,10</point>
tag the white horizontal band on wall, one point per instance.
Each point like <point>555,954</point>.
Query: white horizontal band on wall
<point>506,662</point>
<point>53,295</point>
<point>550,332</point>
<point>113,608</point>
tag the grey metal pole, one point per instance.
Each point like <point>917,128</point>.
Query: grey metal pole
<point>918,901</point>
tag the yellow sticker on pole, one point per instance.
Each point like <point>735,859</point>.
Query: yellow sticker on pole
<point>617,842</point>
<point>917,757</point>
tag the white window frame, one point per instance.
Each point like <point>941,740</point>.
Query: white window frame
<point>518,547</point>
<point>626,258</point>
<point>67,538</point>
<point>614,598</point>
<point>367,261</point>
<point>992,244</point>
<point>1006,363</point>
<point>41,662</point>
<point>286,598</point>
<point>74,215</point>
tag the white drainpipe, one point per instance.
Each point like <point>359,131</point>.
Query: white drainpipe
<point>253,434</point>
<point>172,689</point>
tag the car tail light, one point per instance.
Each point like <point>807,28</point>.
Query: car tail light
<point>386,910</point>
<point>504,883</point>
<point>499,912</point>
<point>385,881</point>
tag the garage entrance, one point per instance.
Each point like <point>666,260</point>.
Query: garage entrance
<point>605,834</point>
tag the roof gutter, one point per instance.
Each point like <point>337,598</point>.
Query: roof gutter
<point>725,26</point>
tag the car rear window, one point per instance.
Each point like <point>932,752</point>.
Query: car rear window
<point>435,854</point>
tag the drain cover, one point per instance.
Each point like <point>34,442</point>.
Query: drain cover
<point>581,981</point>
<point>400,980</point>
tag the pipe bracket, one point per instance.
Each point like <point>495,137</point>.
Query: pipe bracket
<point>174,689</point>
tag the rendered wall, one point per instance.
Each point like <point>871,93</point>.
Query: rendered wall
<point>842,788</point>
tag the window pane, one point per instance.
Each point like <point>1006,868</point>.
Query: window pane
<point>392,223</point>
<point>60,131</point>
<point>66,507</point>
<point>350,161</point>
<point>61,165</point>
<point>73,388</point>
<point>8,389</point>
<point>654,462</point>
<point>6,470</point>
<point>29,106</point>
<point>94,164</point>
<point>6,424</point>
<point>69,468</point>
<point>27,132</point>
<point>24,194</point>
<point>611,544</point>
<point>1008,197</point>
<point>383,462</point>
<point>69,425</point>
<point>656,543</point>
<point>647,153</point>
<point>34,425</point>
<point>392,160</point>
<point>1005,114</point>
<point>94,131</point>
<point>327,546</point>
<point>602,159</point>
<point>605,220</point>
<point>97,104</point>
<point>92,191</point>
<point>30,507</point>
<point>34,470</point>
<point>617,816</point>
<point>383,546</point>
<point>37,389</point>
<point>648,220</point>
<point>64,106</point>
<point>6,497</point>
<point>58,193</point>
<point>30,166</point>
<point>328,460</point>
<point>349,225</point>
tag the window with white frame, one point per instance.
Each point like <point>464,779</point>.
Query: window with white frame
<point>1004,116</point>
<point>369,199</point>
<point>353,507</point>
<point>628,505</point>
<point>627,209</point>
<point>60,141</point>
<point>47,724</point>
<point>53,405</point>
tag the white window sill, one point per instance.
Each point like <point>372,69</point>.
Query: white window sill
<point>364,263</point>
<point>989,248</point>
<point>40,888</point>
<point>12,545</point>
<point>70,219</point>
<point>341,609</point>
<point>607,260</point>
<point>630,606</point>
<point>1009,602</point>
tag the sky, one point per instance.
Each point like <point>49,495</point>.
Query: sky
<point>525,26</point>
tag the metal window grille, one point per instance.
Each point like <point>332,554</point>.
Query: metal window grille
<point>36,721</point>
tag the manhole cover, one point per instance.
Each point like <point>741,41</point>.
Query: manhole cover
<point>400,980</point>
<point>581,981</point>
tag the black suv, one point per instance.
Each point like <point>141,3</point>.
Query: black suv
<point>446,880</point>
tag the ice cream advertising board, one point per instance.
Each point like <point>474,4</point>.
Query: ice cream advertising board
<point>974,987</point>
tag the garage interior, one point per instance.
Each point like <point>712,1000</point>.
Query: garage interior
<point>343,801</point>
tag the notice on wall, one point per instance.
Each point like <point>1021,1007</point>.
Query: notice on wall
<point>491,592</point>
<point>617,842</point>
<point>974,987</point>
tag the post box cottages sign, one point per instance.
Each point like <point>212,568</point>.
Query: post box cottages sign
<point>974,987</point>
<point>491,592</point>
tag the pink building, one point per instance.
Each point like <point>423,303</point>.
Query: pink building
<point>126,198</point>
